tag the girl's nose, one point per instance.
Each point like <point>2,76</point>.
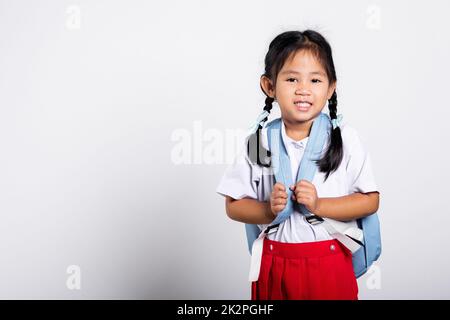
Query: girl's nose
<point>302,90</point>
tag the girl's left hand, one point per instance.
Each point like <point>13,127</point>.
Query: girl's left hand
<point>304,192</point>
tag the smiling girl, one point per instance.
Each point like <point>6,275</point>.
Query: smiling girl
<point>302,260</point>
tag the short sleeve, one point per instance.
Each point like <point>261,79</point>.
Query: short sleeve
<point>240,179</point>
<point>359,166</point>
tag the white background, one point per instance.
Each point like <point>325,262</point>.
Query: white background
<point>91,95</point>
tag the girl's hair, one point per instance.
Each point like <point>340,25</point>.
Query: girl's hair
<point>280,49</point>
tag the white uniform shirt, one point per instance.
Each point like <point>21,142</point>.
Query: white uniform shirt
<point>242,179</point>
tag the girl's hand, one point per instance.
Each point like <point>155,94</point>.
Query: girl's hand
<point>278,198</point>
<point>304,192</point>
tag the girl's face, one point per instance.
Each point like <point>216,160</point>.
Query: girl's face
<point>302,88</point>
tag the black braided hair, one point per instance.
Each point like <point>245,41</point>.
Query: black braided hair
<point>334,153</point>
<point>280,48</point>
<point>256,151</point>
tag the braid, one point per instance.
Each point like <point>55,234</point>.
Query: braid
<point>334,153</point>
<point>256,152</point>
<point>268,108</point>
<point>332,106</point>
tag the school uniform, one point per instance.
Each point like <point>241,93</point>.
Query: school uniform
<point>300,260</point>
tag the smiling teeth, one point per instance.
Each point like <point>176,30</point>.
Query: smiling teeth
<point>303,104</point>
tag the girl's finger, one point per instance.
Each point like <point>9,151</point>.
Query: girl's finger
<point>279,187</point>
<point>281,194</point>
<point>303,192</point>
<point>279,201</point>
<point>305,199</point>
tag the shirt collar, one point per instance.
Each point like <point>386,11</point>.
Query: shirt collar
<point>288,141</point>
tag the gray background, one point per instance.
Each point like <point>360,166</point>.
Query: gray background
<point>87,117</point>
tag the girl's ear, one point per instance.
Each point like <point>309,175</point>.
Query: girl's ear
<point>331,89</point>
<point>267,86</point>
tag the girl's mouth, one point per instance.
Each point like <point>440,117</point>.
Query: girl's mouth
<point>303,106</point>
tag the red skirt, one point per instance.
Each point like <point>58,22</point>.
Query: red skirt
<point>319,270</point>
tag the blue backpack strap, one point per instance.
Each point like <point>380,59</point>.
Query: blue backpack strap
<point>371,250</point>
<point>282,169</point>
<point>282,166</point>
<point>252,231</point>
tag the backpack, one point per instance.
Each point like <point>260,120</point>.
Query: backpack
<point>365,243</point>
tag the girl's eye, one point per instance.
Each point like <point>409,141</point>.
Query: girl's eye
<point>294,79</point>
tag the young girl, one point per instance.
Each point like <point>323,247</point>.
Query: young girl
<point>302,260</point>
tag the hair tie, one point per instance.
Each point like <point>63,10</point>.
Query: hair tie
<point>254,127</point>
<point>337,122</point>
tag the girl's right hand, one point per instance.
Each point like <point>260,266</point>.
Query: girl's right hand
<point>278,198</point>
